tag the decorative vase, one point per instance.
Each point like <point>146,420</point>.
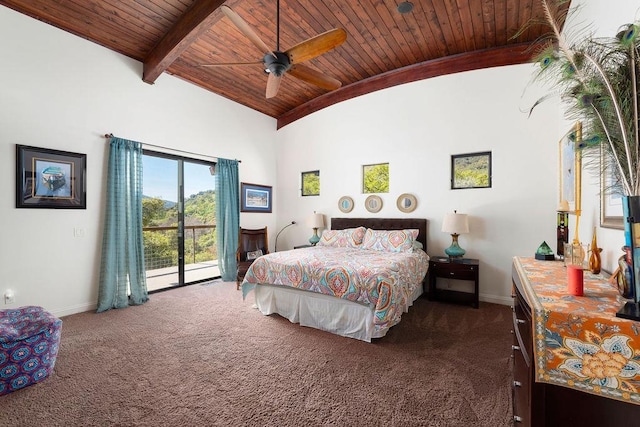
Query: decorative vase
<point>631,218</point>
<point>625,274</point>
<point>595,262</point>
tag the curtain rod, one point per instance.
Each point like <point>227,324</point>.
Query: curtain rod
<point>110,135</point>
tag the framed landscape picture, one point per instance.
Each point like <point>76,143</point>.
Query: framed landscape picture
<point>471,170</point>
<point>255,198</point>
<point>48,178</point>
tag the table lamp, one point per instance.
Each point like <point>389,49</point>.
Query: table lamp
<point>315,221</point>
<point>455,224</point>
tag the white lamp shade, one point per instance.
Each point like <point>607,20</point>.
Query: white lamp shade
<point>316,220</point>
<point>455,223</point>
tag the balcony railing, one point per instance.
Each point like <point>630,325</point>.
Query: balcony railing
<point>161,245</point>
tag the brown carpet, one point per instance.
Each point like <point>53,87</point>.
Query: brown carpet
<point>201,356</point>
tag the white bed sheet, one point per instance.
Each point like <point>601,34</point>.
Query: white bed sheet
<point>324,312</point>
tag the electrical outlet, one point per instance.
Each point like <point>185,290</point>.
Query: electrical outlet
<point>78,232</point>
<point>9,297</point>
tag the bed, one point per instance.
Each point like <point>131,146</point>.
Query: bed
<point>357,289</point>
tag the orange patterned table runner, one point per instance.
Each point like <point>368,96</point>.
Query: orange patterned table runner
<point>578,341</point>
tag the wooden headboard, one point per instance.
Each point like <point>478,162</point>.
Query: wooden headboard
<point>384,224</point>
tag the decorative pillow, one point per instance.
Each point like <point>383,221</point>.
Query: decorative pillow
<point>347,238</point>
<point>390,240</point>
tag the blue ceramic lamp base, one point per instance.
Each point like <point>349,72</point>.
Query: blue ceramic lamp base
<point>315,238</point>
<point>454,251</point>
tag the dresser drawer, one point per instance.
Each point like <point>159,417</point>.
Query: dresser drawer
<point>520,388</point>
<point>523,324</point>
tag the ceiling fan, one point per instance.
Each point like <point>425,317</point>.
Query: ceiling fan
<point>277,63</point>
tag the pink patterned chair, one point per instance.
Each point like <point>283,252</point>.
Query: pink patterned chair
<point>29,341</point>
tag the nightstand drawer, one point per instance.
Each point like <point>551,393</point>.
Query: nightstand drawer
<point>455,271</point>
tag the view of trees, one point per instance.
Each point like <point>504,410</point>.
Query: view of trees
<point>311,183</point>
<point>161,247</point>
<point>375,178</point>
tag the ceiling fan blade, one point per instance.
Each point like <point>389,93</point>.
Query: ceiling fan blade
<point>230,64</point>
<point>273,84</point>
<point>242,25</point>
<point>317,45</point>
<point>314,77</point>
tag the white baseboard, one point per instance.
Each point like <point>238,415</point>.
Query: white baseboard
<point>496,299</point>
<point>80,308</point>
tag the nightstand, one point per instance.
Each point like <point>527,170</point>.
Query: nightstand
<point>302,246</point>
<point>457,269</point>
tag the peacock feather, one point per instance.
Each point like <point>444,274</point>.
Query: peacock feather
<point>597,80</point>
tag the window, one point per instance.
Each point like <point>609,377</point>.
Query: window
<point>311,183</point>
<point>375,178</point>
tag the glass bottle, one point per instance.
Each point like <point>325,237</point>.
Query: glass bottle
<point>595,262</point>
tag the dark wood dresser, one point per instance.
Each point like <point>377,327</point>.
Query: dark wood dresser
<point>537,401</point>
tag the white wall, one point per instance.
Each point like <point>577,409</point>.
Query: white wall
<point>62,92</point>
<point>418,126</point>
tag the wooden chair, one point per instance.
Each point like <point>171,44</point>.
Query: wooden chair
<point>252,243</point>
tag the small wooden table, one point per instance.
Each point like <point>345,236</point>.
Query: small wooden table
<point>457,269</point>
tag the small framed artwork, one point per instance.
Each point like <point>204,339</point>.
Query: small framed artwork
<point>611,215</point>
<point>311,183</point>
<point>472,170</point>
<point>407,203</point>
<point>375,178</point>
<point>255,198</point>
<point>373,204</point>
<point>48,178</point>
<point>570,168</point>
<point>345,204</point>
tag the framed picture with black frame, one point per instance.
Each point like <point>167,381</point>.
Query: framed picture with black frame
<point>310,183</point>
<point>255,198</point>
<point>52,179</point>
<point>471,170</point>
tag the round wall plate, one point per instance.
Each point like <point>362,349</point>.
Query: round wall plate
<point>345,204</point>
<point>373,204</point>
<point>407,203</point>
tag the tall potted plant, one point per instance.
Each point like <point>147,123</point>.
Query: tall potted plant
<point>597,79</point>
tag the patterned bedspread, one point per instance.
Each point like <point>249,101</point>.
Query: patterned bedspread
<point>381,280</point>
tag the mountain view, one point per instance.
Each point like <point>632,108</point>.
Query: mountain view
<point>160,221</point>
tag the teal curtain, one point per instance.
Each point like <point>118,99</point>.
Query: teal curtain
<point>122,273</point>
<point>227,217</point>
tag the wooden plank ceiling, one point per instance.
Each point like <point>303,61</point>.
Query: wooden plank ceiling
<point>383,47</point>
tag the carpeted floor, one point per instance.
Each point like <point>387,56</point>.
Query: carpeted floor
<point>201,356</point>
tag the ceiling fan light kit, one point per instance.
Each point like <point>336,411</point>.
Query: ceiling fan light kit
<point>276,63</point>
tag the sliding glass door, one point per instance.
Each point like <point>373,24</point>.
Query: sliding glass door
<point>178,220</point>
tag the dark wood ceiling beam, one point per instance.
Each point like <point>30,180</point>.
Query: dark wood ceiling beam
<point>197,19</point>
<point>495,57</point>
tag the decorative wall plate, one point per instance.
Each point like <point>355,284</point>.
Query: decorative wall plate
<point>373,204</point>
<point>407,203</point>
<point>345,204</point>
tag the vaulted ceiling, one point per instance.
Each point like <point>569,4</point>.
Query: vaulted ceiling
<point>383,47</point>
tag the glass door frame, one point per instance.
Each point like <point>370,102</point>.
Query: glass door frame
<point>180,214</point>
